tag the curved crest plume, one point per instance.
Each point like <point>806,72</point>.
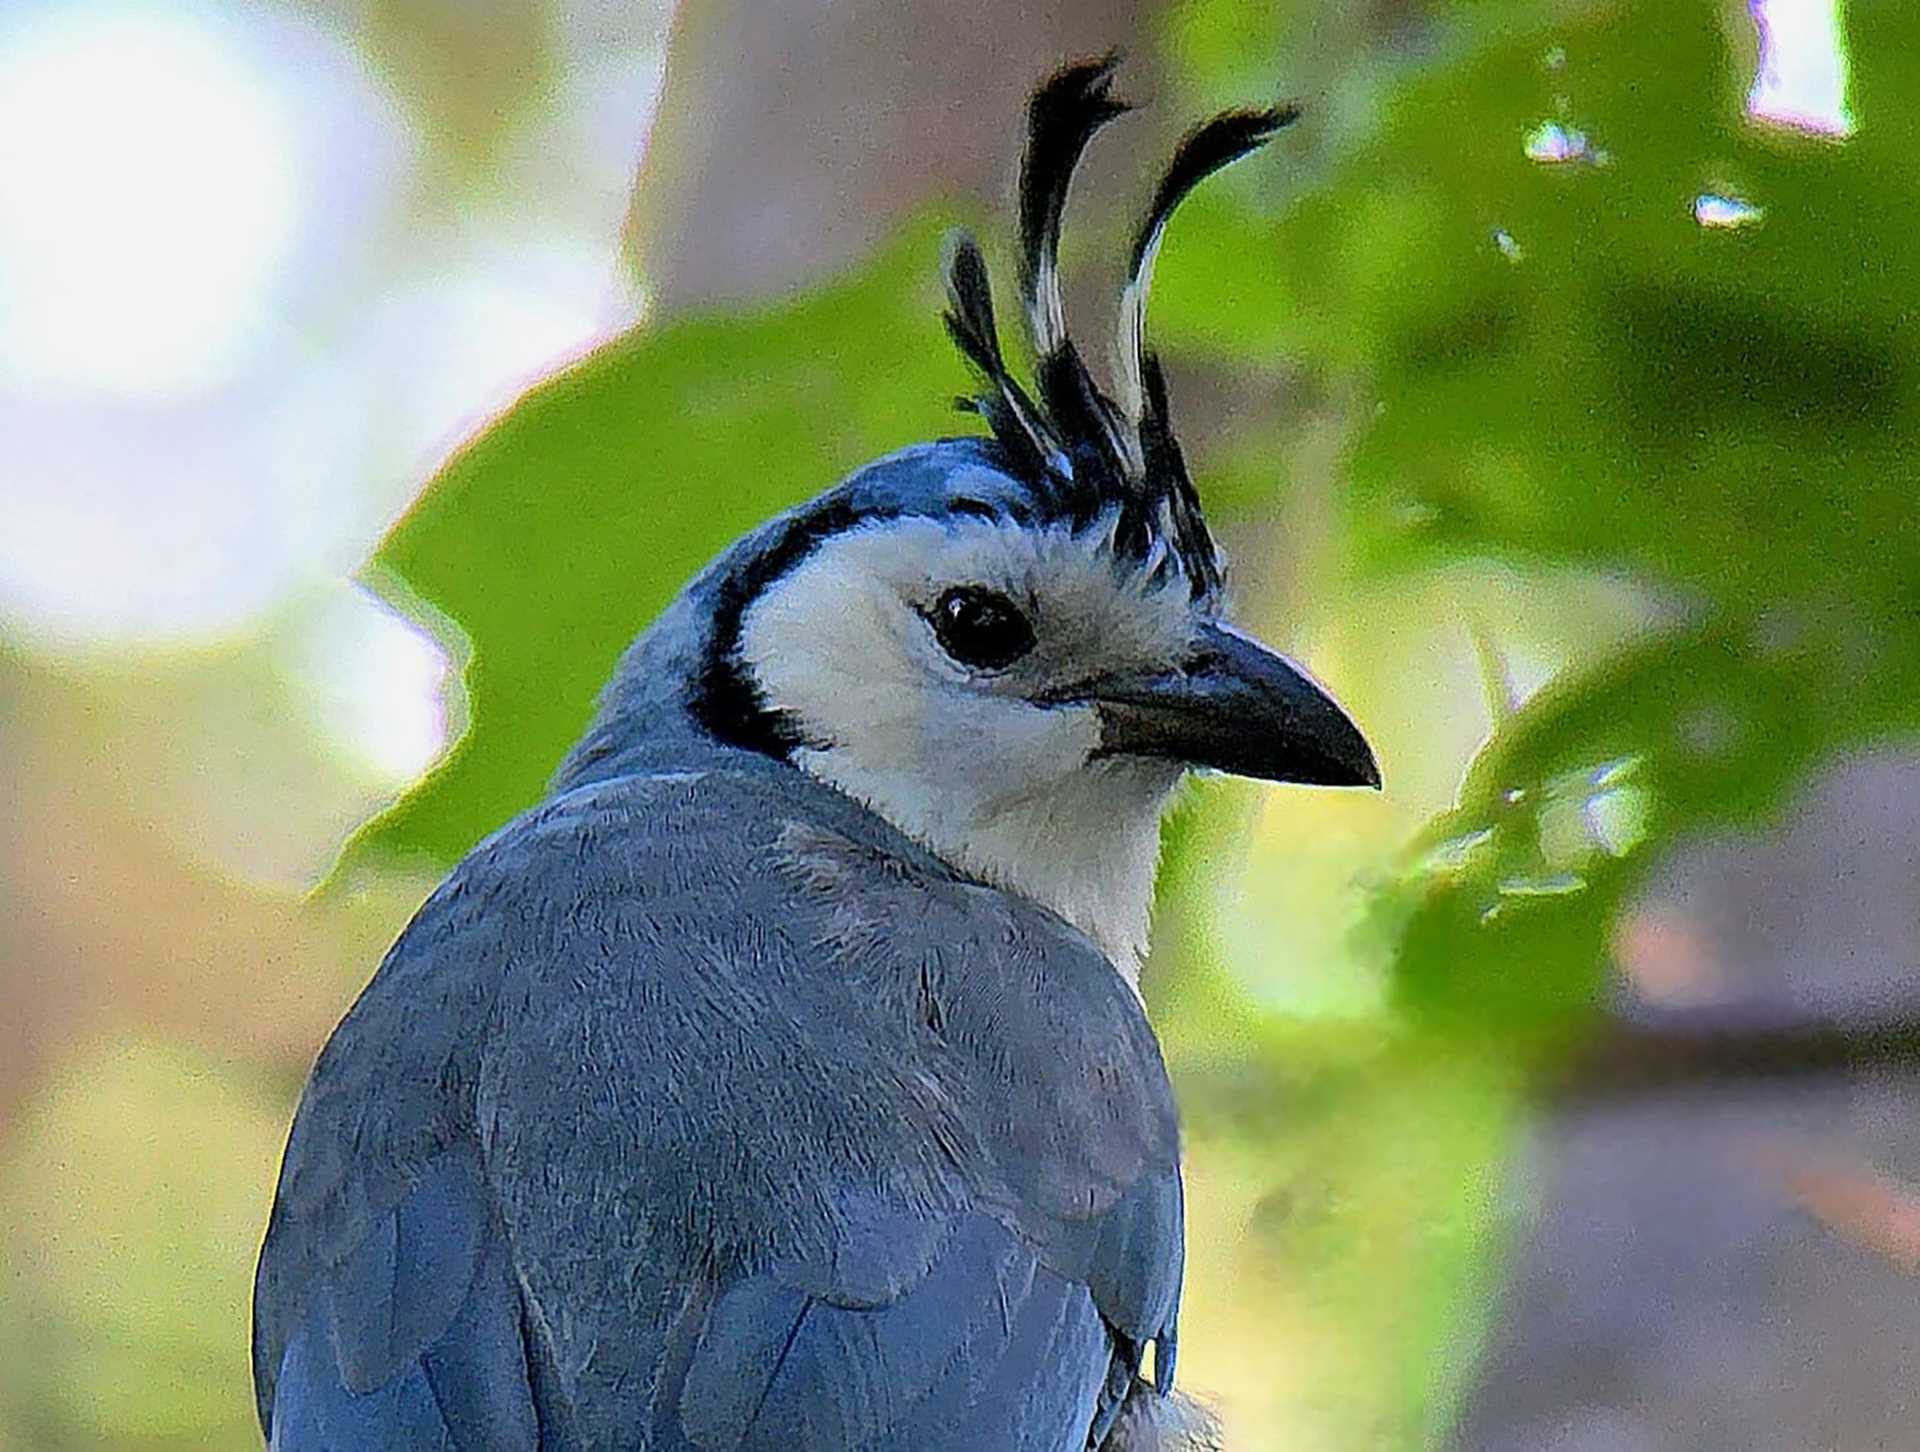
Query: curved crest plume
<point>1087,454</point>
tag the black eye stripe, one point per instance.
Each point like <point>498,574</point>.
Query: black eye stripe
<point>980,628</point>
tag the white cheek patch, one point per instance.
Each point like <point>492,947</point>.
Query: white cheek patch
<point>834,647</point>
<point>857,668</point>
<point>1081,599</point>
<point>842,644</point>
<point>968,765</point>
<point>998,751</point>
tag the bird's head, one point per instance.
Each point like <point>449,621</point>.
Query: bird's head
<point>1013,647</point>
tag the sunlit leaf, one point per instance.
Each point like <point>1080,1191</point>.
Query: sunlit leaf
<point>555,536</point>
<point>1555,361</point>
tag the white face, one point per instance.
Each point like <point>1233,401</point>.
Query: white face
<point>889,648</point>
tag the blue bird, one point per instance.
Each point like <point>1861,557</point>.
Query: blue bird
<point>781,1080</point>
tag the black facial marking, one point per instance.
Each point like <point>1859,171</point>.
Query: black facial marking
<point>725,699</point>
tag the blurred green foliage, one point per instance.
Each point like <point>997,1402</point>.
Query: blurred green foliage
<point>552,539</point>
<point>1566,367</point>
<point>130,1329</point>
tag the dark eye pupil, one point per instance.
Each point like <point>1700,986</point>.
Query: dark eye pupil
<point>981,629</point>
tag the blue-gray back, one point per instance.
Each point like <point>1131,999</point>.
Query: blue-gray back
<point>699,1108</point>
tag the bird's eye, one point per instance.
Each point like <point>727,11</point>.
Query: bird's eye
<point>980,628</point>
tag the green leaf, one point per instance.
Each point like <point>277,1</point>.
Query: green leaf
<point>1728,409</point>
<point>1556,364</point>
<point>554,537</point>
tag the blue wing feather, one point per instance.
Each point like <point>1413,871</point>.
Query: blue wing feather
<point>478,1369</point>
<point>599,1158</point>
<point>1018,1368</point>
<point>414,1339</point>
<point>748,1335</point>
<point>313,1409</point>
<point>400,1288</point>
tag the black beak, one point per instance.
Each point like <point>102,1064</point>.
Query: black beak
<point>1239,707</point>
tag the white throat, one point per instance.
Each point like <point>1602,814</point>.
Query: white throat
<point>978,768</point>
<point>1087,848</point>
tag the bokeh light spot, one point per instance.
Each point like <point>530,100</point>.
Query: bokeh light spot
<point>376,685</point>
<point>1725,214</point>
<point>153,187</point>
<point>1801,81</point>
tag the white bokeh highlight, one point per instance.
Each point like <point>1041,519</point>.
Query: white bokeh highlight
<point>1800,83</point>
<point>246,310</point>
<point>375,685</point>
<point>187,193</point>
<point>163,172</point>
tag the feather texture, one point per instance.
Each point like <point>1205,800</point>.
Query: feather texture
<point>713,1179</point>
<point>1089,457</point>
<point>1063,116</point>
<point>1012,416</point>
<point>1206,149</point>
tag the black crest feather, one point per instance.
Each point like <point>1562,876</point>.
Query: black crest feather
<point>1062,118</point>
<point>1206,149</point>
<point>1012,416</point>
<point>1087,454</point>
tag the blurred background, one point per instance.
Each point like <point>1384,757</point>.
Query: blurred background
<point>372,370</point>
